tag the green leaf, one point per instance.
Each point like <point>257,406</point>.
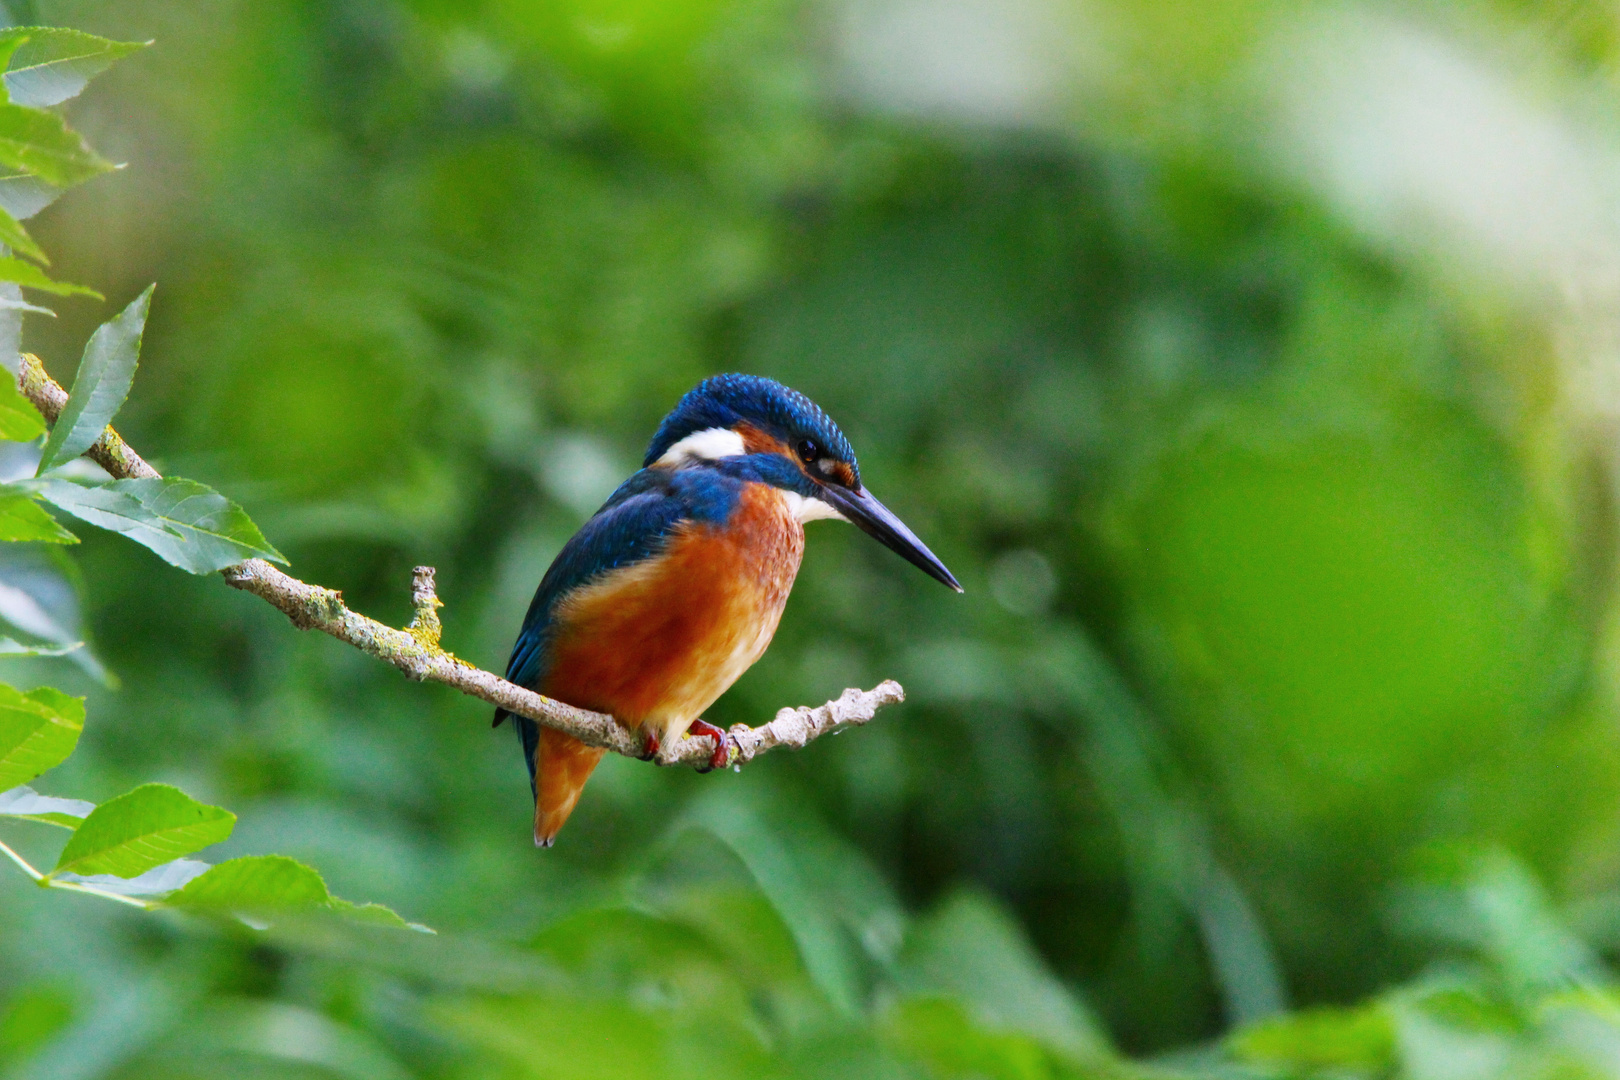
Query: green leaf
<point>1321,1038</point>
<point>255,883</point>
<point>286,1040</point>
<point>44,616</point>
<point>33,78</point>
<point>163,878</point>
<point>17,303</point>
<point>580,1037</point>
<point>22,195</point>
<point>52,64</point>
<point>22,519</point>
<point>939,1034</point>
<point>142,829</point>
<point>25,802</point>
<point>106,372</point>
<point>14,236</point>
<point>785,881</point>
<point>270,883</point>
<point>30,276</point>
<point>19,420</point>
<point>973,951</point>
<point>38,730</point>
<point>374,915</point>
<point>41,143</point>
<point>39,604</point>
<point>11,40</point>
<point>189,524</point>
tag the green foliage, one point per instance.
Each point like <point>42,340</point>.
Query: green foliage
<point>44,66</point>
<point>699,979</point>
<point>38,730</point>
<point>28,804</point>
<point>1322,1039</point>
<point>31,1017</point>
<point>21,520</point>
<point>261,885</point>
<point>969,951</point>
<point>255,883</point>
<point>14,236</point>
<point>51,64</point>
<point>100,386</point>
<point>132,847</point>
<point>41,143</point>
<point>31,276</point>
<point>22,194</point>
<point>19,420</point>
<point>830,955</point>
<point>939,1035</point>
<point>189,524</point>
<point>142,829</point>
<point>1247,362</point>
<point>1483,1013</point>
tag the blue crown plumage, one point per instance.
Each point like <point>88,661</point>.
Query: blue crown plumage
<point>723,401</point>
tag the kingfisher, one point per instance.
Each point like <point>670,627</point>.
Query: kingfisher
<point>675,586</point>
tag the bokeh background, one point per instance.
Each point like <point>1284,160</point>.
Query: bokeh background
<point>1255,365</point>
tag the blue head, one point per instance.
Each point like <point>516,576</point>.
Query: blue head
<point>796,447</point>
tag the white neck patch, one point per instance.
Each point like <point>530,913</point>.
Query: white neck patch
<point>710,444</point>
<point>807,509</point>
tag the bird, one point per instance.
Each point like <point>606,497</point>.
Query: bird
<point>676,585</point>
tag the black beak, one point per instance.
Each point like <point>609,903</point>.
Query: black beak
<point>875,520</point>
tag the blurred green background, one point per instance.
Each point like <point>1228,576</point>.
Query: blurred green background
<point>1254,365</point>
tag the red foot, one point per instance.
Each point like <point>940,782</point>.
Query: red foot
<point>722,750</point>
<point>652,748</point>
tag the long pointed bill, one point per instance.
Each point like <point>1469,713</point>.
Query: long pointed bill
<point>875,520</point>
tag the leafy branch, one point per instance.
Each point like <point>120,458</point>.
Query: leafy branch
<point>134,849</point>
<point>414,650</point>
<point>131,849</point>
<point>40,155</point>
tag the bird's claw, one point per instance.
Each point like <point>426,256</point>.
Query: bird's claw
<point>722,749</point>
<point>650,751</point>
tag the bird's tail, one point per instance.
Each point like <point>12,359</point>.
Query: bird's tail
<point>561,765</point>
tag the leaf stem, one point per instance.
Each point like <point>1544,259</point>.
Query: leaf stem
<point>47,882</point>
<point>22,862</point>
<point>74,886</point>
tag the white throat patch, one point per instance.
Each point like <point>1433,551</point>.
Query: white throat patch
<point>806,509</point>
<point>710,444</point>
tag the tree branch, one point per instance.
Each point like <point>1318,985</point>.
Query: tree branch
<point>416,650</point>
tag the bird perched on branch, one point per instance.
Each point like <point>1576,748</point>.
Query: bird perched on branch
<point>674,588</point>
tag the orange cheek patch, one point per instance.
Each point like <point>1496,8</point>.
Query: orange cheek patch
<point>841,473</point>
<point>756,441</point>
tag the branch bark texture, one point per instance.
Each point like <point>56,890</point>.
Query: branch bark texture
<point>416,651</point>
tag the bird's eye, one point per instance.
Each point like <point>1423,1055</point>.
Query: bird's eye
<point>808,450</point>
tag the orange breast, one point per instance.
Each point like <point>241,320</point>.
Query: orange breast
<point>655,644</point>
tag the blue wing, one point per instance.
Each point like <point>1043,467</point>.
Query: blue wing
<point>632,526</point>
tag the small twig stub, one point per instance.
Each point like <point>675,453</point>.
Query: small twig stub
<point>425,602</point>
